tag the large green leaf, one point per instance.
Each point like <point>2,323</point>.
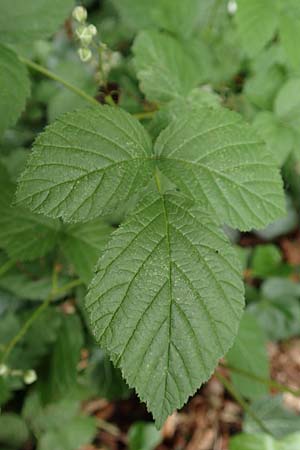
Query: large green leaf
<point>14,86</point>
<point>168,316</point>
<point>217,159</point>
<point>23,234</point>
<point>249,353</point>
<point>257,22</point>
<point>85,164</point>
<point>26,21</point>
<point>164,68</point>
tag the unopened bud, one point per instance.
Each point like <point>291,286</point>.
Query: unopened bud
<point>92,29</point>
<point>30,376</point>
<point>84,35</point>
<point>85,54</point>
<point>79,14</point>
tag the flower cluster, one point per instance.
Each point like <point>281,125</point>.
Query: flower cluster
<point>29,376</point>
<point>86,33</point>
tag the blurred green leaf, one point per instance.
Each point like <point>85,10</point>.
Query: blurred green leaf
<point>265,260</point>
<point>143,436</point>
<point>13,431</point>
<point>279,421</point>
<point>249,353</point>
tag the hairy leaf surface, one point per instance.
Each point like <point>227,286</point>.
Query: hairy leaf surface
<point>218,160</point>
<point>166,301</point>
<point>85,164</point>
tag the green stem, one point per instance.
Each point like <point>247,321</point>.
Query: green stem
<point>14,341</point>
<point>230,388</point>
<point>53,76</point>
<point>7,266</point>
<point>271,383</point>
<point>144,115</point>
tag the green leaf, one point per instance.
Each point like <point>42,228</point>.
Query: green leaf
<point>73,435</point>
<point>249,353</point>
<point>107,379</point>
<point>24,235</point>
<point>216,158</point>
<point>167,317</point>
<point>266,260</point>
<point>14,83</point>
<point>278,420</point>
<point>24,22</point>
<point>86,163</point>
<point>279,138</point>
<point>278,311</point>
<point>264,442</point>
<point>289,30</point>
<point>287,103</point>
<point>13,431</point>
<point>83,243</point>
<point>164,68</point>
<point>64,100</point>
<point>256,21</point>
<point>60,379</point>
<point>143,436</point>
<point>172,15</point>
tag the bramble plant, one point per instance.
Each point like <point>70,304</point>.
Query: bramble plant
<point>166,298</point>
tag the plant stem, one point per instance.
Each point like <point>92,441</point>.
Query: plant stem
<point>272,383</point>
<point>14,341</point>
<point>144,115</point>
<point>53,76</point>
<point>230,388</point>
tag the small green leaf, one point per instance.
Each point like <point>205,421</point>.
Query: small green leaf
<point>164,68</point>
<point>60,379</point>
<point>216,158</point>
<point>85,164</point>
<point>24,235</point>
<point>279,138</point>
<point>13,431</point>
<point>265,261</point>
<point>72,435</point>
<point>287,103</point>
<point>143,436</point>
<point>249,353</point>
<point>168,317</point>
<point>24,22</point>
<point>14,86</point>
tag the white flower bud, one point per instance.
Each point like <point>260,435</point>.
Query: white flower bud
<point>93,30</point>
<point>84,35</point>
<point>85,54</point>
<point>3,370</point>
<point>232,7</point>
<point>80,14</point>
<point>30,376</point>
